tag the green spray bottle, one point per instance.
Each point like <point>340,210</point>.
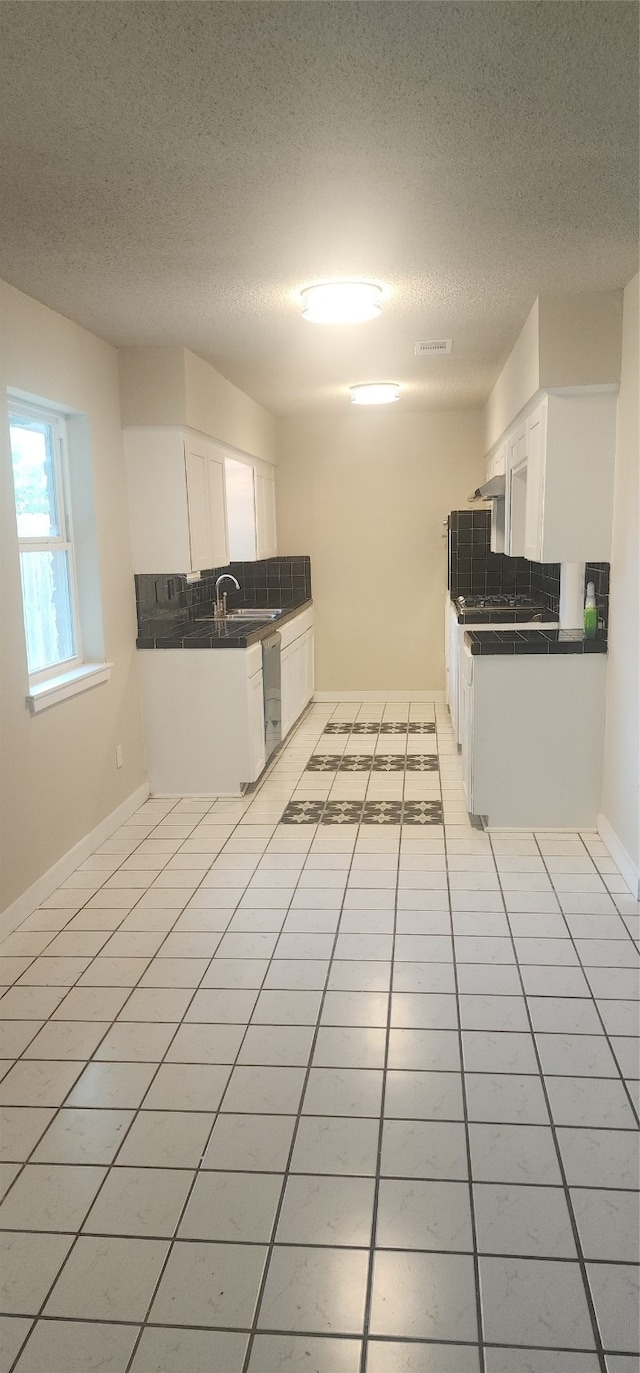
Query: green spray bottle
<point>590,612</point>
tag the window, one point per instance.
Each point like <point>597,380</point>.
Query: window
<point>41,484</point>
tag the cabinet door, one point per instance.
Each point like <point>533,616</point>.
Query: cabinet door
<point>240,504</point>
<point>466,739</point>
<point>196,463</point>
<point>286,688</point>
<point>453,638</point>
<point>265,515</point>
<point>206,506</point>
<point>297,676</point>
<point>219,551</point>
<point>308,662</point>
<point>534,503</point>
<point>256,725</point>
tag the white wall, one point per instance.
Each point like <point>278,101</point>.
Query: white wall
<point>580,339</point>
<point>517,383</point>
<point>366,494</point>
<point>621,788</point>
<point>59,778</point>
<point>566,340</point>
<point>173,386</point>
<point>216,407</point>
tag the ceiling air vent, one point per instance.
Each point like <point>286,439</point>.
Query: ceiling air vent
<point>431,346</point>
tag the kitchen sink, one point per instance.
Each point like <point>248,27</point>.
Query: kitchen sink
<point>253,613</point>
<point>246,613</point>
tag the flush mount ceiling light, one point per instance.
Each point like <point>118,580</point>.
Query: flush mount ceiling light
<point>341,302</point>
<point>375,393</point>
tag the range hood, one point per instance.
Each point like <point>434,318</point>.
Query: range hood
<point>493,490</point>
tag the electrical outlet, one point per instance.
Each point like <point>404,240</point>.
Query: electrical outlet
<point>119,756</point>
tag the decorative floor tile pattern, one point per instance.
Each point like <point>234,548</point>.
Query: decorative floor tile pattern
<point>422,813</point>
<point>302,813</point>
<point>342,813</point>
<point>324,1078</point>
<point>382,813</point>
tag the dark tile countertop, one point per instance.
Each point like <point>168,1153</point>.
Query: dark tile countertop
<point>206,633</point>
<point>521,641</point>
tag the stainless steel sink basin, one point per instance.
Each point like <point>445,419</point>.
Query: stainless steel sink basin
<point>245,613</point>
<point>253,613</point>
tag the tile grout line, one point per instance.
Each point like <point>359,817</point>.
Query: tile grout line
<point>599,1350</point>
<point>593,998</point>
<point>198,1170</point>
<point>368,1303</point>
<point>287,1171</point>
<point>136,1113</point>
<point>139,1108</point>
<point>465,1113</point>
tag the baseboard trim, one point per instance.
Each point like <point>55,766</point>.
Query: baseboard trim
<point>381,697</point>
<point>620,856</point>
<point>45,885</point>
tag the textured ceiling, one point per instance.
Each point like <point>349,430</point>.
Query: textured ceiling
<point>172,172</point>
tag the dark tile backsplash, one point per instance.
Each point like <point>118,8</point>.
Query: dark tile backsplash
<point>165,598</point>
<point>475,571</point>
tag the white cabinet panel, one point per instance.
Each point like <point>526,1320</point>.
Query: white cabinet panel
<point>452,651</point>
<point>265,487</point>
<point>530,738</point>
<point>535,473</point>
<point>203,715</point>
<point>157,491</point>
<point>466,726</point>
<point>256,725</point>
<point>286,689</point>
<point>206,506</point>
<point>559,489</point>
<point>241,509</point>
<point>218,547</point>
<point>309,666</point>
<point>196,464</point>
<point>176,501</point>
<point>297,681</point>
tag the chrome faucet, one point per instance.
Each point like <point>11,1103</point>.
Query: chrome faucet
<point>220,608</point>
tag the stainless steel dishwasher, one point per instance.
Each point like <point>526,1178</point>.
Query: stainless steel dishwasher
<point>272,691</point>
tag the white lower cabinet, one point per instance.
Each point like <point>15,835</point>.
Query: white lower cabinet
<point>451,655</point>
<point>203,711</point>
<point>296,669</point>
<point>203,719</point>
<point>256,724</point>
<point>464,709</point>
<point>532,730</point>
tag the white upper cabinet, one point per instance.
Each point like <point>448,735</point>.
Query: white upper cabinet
<point>251,509</point>
<point>176,501</point>
<point>265,485</point>
<point>218,542</point>
<point>241,509</point>
<point>559,488</point>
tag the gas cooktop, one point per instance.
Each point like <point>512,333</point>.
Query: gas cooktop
<point>498,603</point>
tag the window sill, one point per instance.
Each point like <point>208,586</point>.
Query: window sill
<point>67,684</point>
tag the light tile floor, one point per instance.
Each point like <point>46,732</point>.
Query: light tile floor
<point>356,1091</point>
